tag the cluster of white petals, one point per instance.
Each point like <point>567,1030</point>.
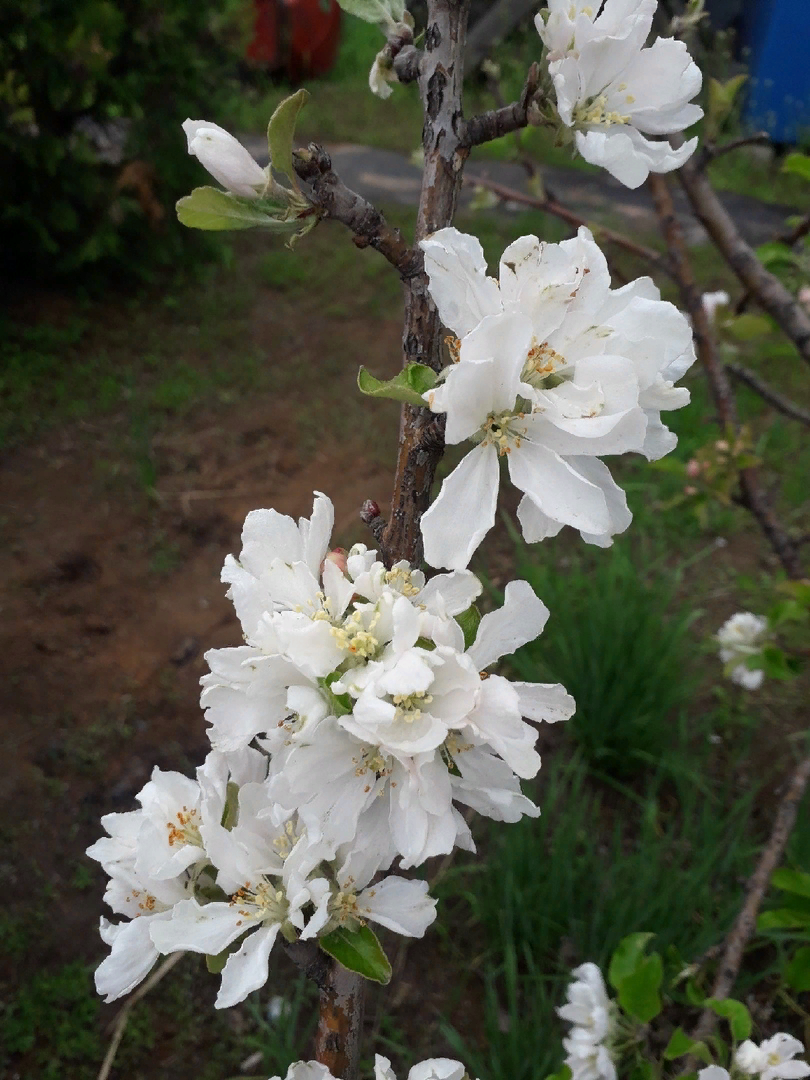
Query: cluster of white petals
<point>613,92</point>
<point>773,1059</point>
<point>554,369</point>
<point>345,731</point>
<point>591,1012</point>
<point>740,637</point>
<point>225,158</point>
<point>431,1069</point>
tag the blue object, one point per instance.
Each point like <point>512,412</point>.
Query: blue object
<point>776,34</point>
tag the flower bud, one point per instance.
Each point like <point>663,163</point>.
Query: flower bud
<point>693,468</point>
<point>225,158</point>
<point>337,556</point>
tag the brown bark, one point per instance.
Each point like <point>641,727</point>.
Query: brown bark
<point>768,290</point>
<point>751,494</point>
<point>421,438</point>
<point>503,121</point>
<point>340,1022</point>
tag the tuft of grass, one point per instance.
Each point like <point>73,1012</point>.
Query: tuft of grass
<point>619,643</point>
<point>565,888</point>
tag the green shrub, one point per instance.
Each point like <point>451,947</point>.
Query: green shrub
<point>619,643</point>
<point>92,157</point>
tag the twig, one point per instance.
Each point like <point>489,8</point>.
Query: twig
<point>497,122</point>
<point>370,228</point>
<point>773,397</point>
<point>800,229</point>
<point>122,1018</point>
<point>768,290</point>
<point>745,923</point>
<point>710,151</point>
<point>751,495</point>
<point>551,206</point>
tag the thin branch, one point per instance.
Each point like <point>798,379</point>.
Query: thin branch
<point>768,290</point>
<point>710,151</point>
<point>340,1022</point>
<point>551,206</point>
<point>745,923</point>
<point>773,397</point>
<point>330,194</point>
<point>751,495</point>
<point>497,122</point>
<point>794,235</point>
<point>122,1018</point>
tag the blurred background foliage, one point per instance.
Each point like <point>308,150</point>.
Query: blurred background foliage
<point>91,96</point>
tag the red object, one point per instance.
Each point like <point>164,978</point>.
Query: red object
<point>299,37</point>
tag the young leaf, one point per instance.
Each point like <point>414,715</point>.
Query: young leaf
<point>783,919</point>
<point>360,951</point>
<point>280,132</point>
<point>376,11</point>
<point>638,992</point>
<point>797,974</point>
<point>679,1044</point>
<point>469,621</point>
<point>792,881</point>
<point>721,102</point>
<point>409,386</point>
<point>211,209</point>
<point>627,958</point>
<point>738,1016</point>
<point>798,164</point>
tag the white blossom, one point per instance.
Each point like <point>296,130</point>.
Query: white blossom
<point>382,76</point>
<point>742,635</point>
<point>772,1059</point>
<point>225,158</point>
<point>554,369</point>
<point>713,1072</point>
<point>712,301</point>
<point>613,92</point>
<point>588,1006</point>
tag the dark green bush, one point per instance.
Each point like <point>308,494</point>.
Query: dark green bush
<point>92,157</point>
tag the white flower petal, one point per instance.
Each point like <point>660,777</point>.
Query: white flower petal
<point>464,511</point>
<point>246,969</point>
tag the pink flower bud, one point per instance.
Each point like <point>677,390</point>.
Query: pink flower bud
<point>689,490</point>
<point>721,445</point>
<point>338,557</point>
<point>693,468</point>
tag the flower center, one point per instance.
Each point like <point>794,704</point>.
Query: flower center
<point>271,902</point>
<point>408,705</point>
<point>285,841</point>
<point>400,579</point>
<point>541,362</point>
<point>595,111</point>
<point>185,830</point>
<point>343,907</point>
<point>355,638</point>
<point>500,431</point>
<point>371,760</point>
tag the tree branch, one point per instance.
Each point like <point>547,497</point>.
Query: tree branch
<point>551,206</point>
<point>745,923</point>
<point>752,497</point>
<point>497,122</point>
<point>421,441</point>
<point>406,63</point>
<point>710,151</point>
<point>314,166</point>
<point>340,1021</point>
<point>773,397</point>
<point>768,290</point>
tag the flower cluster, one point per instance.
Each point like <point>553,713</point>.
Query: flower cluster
<point>592,1014</point>
<point>739,638</point>
<point>553,369</point>
<point>432,1069</point>
<point>613,92</point>
<point>771,1060</point>
<point>344,732</point>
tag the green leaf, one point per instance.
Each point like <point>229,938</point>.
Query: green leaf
<point>787,611</point>
<point>720,103</point>
<point>280,132</point>
<point>469,622</point>
<point>211,209</point>
<point>792,881</point>
<point>738,1016</point>
<point>358,950</point>
<point>412,382</point>
<point>678,1045</point>
<point>627,958</point>
<point>644,1070</point>
<point>230,812</point>
<point>776,256</point>
<point>638,992</point>
<point>799,164</point>
<point>376,11</point>
<point>797,975</point>
<point>783,919</point>
<point>694,995</point>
